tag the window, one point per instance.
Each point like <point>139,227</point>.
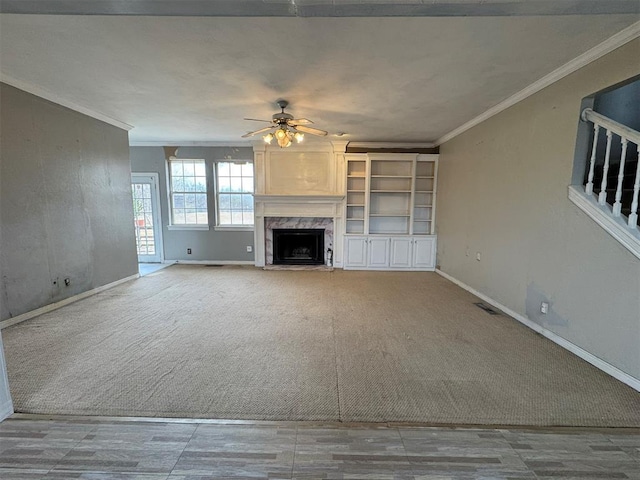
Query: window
<point>188,181</point>
<point>235,194</point>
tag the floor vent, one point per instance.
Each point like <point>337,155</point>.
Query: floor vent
<point>487,308</point>
<point>214,265</point>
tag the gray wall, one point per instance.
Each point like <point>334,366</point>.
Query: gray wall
<point>210,245</point>
<point>502,191</point>
<point>66,208</point>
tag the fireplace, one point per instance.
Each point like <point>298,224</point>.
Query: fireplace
<point>298,246</point>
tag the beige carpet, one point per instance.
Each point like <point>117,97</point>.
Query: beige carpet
<point>243,343</point>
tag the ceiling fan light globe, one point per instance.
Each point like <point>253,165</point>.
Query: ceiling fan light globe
<point>281,133</point>
<point>284,142</point>
<point>267,138</point>
<point>299,137</point>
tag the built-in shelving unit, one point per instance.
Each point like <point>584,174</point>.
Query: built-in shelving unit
<point>356,195</point>
<point>390,199</point>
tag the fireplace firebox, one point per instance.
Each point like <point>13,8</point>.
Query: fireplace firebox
<point>298,246</point>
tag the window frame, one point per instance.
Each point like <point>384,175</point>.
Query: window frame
<point>170,194</point>
<point>217,192</point>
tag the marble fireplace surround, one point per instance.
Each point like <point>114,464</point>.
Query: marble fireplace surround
<point>271,223</point>
<point>297,211</point>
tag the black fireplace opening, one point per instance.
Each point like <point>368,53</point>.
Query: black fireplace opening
<point>298,246</point>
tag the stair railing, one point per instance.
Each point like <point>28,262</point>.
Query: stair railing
<point>627,135</point>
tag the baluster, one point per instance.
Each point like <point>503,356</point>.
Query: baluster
<point>617,205</point>
<point>602,198</point>
<point>633,217</point>
<point>589,186</point>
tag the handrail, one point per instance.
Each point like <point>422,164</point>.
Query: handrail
<point>611,125</point>
<point>626,135</point>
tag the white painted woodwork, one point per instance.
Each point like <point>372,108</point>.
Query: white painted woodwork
<point>396,252</point>
<point>355,252</point>
<point>401,252</point>
<point>617,206</point>
<point>627,135</point>
<point>390,202</point>
<point>424,253</point>
<point>602,197</point>
<point>633,216</point>
<point>378,252</point>
<point>300,181</point>
<point>628,236</point>
<point>592,161</point>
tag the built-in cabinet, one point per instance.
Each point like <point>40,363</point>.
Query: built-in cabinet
<point>390,211</point>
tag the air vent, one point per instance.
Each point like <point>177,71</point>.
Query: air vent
<point>214,265</point>
<point>487,308</point>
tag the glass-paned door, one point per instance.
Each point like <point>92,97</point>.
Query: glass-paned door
<point>146,217</point>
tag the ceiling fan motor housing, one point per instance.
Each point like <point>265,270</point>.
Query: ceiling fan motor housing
<point>281,118</point>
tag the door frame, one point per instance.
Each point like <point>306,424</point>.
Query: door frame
<point>155,201</point>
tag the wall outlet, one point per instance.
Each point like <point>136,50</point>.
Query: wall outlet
<point>188,251</point>
<point>249,248</point>
<point>544,308</point>
<point>67,281</point>
<point>478,256</point>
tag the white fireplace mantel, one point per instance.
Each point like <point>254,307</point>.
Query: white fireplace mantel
<point>296,206</point>
<point>300,182</point>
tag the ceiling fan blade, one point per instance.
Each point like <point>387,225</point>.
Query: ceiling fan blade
<point>299,121</point>
<point>251,134</point>
<point>312,131</point>
<point>258,120</point>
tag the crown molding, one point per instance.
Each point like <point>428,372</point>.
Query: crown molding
<point>55,98</point>
<point>619,39</point>
<point>182,143</point>
<point>377,145</point>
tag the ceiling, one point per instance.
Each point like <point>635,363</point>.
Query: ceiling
<point>375,77</point>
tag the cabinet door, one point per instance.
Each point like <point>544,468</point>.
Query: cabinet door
<point>378,252</point>
<point>424,253</point>
<point>355,255</point>
<point>401,252</point>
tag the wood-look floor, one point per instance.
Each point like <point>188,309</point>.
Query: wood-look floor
<point>85,448</point>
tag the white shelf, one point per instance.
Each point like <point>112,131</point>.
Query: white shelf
<point>392,176</point>
<point>389,215</point>
<point>395,194</point>
<point>390,191</point>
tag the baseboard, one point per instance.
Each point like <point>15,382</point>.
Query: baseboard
<point>54,306</point>
<point>555,338</point>
<point>214,262</point>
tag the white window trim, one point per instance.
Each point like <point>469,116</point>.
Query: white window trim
<point>231,228</point>
<point>186,226</point>
<point>234,228</point>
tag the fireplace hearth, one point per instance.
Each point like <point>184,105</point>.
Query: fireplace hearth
<point>298,246</point>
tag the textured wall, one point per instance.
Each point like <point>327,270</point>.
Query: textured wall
<point>66,206</point>
<point>503,192</point>
<point>212,245</point>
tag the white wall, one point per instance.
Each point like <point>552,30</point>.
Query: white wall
<point>502,191</point>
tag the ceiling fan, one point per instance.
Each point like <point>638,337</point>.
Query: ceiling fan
<point>286,127</point>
